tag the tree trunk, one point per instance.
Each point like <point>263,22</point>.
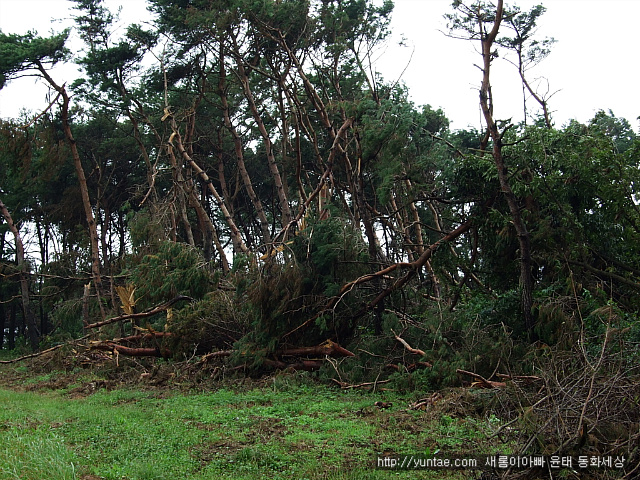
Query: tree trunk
<point>209,233</point>
<point>236,238</point>
<point>2,324</point>
<point>29,316</point>
<point>486,103</point>
<point>271,159</point>
<point>11,337</point>
<point>84,190</point>
<point>237,143</point>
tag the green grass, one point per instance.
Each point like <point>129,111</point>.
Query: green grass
<point>300,432</point>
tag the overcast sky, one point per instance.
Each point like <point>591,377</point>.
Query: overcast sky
<point>593,65</point>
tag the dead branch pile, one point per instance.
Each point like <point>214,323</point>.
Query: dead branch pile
<point>589,404</point>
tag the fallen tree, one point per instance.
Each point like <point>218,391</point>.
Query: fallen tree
<point>411,269</point>
<point>131,351</point>
<point>324,350</point>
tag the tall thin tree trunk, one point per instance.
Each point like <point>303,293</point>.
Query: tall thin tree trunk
<point>11,338</point>
<point>84,190</point>
<point>271,159</point>
<point>486,103</point>
<point>237,142</point>
<point>236,238</point>
<point>29,316</point>
<point>2,324</point>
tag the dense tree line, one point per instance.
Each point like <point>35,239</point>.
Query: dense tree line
<point>247,155</point>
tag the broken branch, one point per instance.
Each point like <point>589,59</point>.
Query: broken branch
<point>415,351</point>
<point>328,348</point>
<point>366,385</point>
<point>132,351</point>
<point>147,313</point>
<point>43,352</point>
<point>481,381</point>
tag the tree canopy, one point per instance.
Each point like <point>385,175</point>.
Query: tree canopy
<point>246,159</point>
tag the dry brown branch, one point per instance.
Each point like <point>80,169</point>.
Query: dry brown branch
<point>218,354</point>
<point>131,351</point>
<point>481,381</point>
<point>415,351</point>
<point>38,354</point>
<point>426,402</point>
<point>328,348</point>
<point>142,337</point>
<point>365,385</point>
<point>41,114</point>
<point>527,379</point>
<point>147,313</point>
<point>588,405</point>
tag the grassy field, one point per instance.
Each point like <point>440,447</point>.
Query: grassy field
<point>285,427</point>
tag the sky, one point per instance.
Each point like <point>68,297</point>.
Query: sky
<point>591,67</point>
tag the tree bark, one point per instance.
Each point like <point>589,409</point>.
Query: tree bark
<point>273,167</point>
<point>236,238</point>
<point>237,143</point>
<point>486,103</point>
<point>147,313</point>
<point>82,180</point>
<point>30,319</point>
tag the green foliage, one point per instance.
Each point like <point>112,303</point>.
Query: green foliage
<point>331,253</point>
<point>175,269</point>
<point>276,299</point>
<point>280,296</point>
<point>22,52</point>
<point>211,324</point>
<point>147,229</point>
<point>399,180</point>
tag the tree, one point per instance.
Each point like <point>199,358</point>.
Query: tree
<point>29,53</point>
<point>30,321</point>
<point>481,21</point>
<point>529,52</point>
<point>246,157</point>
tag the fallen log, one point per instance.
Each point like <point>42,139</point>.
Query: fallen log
<point>147,313</point>
<point>327,348</point>
<point>131,351</point>
<point>481,381</point>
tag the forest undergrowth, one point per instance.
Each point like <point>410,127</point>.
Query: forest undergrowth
<point>97,415</point>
